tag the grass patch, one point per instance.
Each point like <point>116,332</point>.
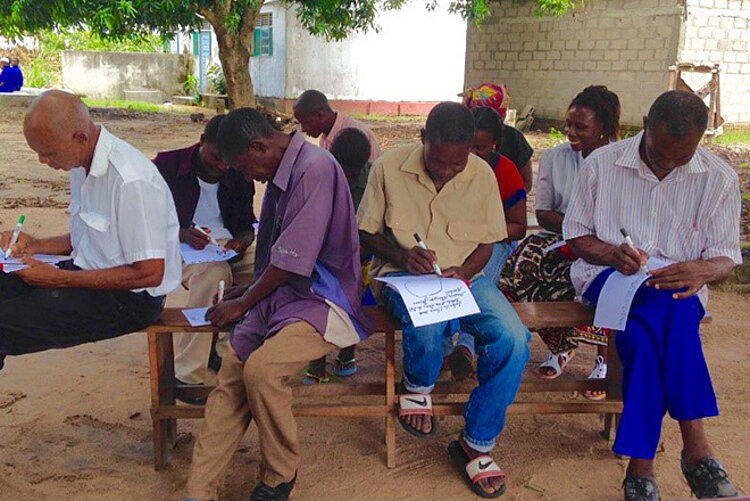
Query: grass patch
<point>734,137</point>
<point>126,104</point>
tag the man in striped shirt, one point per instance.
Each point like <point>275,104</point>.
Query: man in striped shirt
<point>681,204</point>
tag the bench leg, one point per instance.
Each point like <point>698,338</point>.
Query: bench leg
<point>161,361</point>
<point>614,386</point>
<point>390,399</point>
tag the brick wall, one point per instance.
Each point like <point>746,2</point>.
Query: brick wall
<point>718,31</point>
<point>545,62</point>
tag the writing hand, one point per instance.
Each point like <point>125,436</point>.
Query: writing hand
<point>419,261</point>
<point>25,244</point>
<point>225,312</point>
<point>690,275</point>
<point>626,260</point>
<point>40,274</point>
<point>194,238</point>
<point>232,293</point>
<point>238,245</point>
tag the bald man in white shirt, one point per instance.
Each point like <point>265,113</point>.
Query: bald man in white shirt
<point>123,239</point>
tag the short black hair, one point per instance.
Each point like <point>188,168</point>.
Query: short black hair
<point>680,111</point>
<point>211,131</point>
<point>311,101</point>
<point>488,120</point>
<point>240,127</point>
<point>449,122</point>
<point>606,107</point>
<point>351,148</point>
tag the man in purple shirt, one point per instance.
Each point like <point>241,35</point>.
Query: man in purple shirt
<point>304,302</point>
<point>220,201</point>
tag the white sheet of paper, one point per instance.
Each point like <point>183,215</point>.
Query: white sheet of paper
<point>430,299</point>
<point>196,316</point>
<point>617,295</point>
<point>554,246</point>
<point>14,264</point>
<point>208,254</point>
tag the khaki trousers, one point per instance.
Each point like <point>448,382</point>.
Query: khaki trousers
<point>257,389</point>
<point>192,349</point>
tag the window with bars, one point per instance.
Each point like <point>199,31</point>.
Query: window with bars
<point>263,41</point>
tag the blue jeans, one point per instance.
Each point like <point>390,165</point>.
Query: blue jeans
<point>501,251</point>
<point>502,345</point>
<point>664,369</point>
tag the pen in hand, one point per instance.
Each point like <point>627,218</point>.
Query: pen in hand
<point>629,242</point>
<point>14,237</point>
<point>210,238</point>
<point>220,293</point>
<point>422,245</point>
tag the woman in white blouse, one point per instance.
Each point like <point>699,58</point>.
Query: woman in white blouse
<point>541,264</point>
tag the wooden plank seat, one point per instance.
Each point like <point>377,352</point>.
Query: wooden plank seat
<point>381,395</point>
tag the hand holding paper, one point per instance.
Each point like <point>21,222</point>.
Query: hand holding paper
<point>692,275</point>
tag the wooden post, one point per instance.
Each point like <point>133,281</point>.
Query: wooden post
<point>614,384</point>
<point>390,398</point>
<point>161,357</point>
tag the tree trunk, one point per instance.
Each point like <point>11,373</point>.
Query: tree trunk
<point>235,49</point>
<point>235,61</point>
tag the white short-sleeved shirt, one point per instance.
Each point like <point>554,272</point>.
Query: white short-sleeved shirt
<point>692,214</point>
<point>123,212</point>
<point>558,168</point>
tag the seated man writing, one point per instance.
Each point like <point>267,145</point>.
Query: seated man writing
<point>450,198</point>
<point>681,204</point>
<point>122,240</point>
<point>212,202</point>
<point>304,302</point>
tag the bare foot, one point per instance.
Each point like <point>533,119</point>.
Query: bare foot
<point>488,485</point>
<point>419,423</point>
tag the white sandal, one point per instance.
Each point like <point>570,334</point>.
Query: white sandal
<point>557,363</point>
<point>599,372</point>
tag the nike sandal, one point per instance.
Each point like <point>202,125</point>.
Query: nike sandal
<point>474,470</point>
<point>416,404</point>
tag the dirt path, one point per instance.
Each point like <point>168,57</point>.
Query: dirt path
<point>75,424</point>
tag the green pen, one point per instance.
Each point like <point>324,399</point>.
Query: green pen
<point>14,237</point>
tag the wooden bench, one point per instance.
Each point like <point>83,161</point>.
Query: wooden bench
<point>165,411</point>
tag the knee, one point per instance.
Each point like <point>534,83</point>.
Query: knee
<point>213,272</point>
<point>253,372</point>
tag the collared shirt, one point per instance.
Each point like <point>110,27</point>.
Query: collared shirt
<point>401,200</point>
<point>691,214</point>
<point>235,193</point>
<point>558,168</point>
<point>308,228</point>
<point>344,122</point>
<point>122,213</point>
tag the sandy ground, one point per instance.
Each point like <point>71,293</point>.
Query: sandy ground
<point>75,424</point>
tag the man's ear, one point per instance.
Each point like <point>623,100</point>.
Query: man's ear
<point>421,135</point>
<point>80,137</point>
<point>645,123</point>
<point>258,145</point>
<point>202,139</point>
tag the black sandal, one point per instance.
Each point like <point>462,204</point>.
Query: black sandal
<point>637,488</point>
<point>264,492</point>
<point>708,479</point>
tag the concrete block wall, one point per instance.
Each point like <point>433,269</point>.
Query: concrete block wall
<point>718,31</point>
<point>627,45</point>
<point>107,75</point>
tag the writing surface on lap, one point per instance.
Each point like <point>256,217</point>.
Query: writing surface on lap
<point>10,264</point>
<point>430,299</point>
<point>196,316</point>
<point>208,254</point>
<point>616,296</point>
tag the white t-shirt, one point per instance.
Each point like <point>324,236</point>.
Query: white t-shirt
<point>207,212</point>
<point>558,168</point>
<point>123,212</point>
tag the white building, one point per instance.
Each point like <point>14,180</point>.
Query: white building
<point>415,59</point>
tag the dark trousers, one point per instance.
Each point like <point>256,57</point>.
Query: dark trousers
<point>35,319</point>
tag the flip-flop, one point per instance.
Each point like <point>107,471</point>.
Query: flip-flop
<point>557,363</point>
<point>311,379</point>
<point>345,368</point>
<point>416,404</point>
<point>264,492</point>
<point>599,372</point>
<point>474,470</point>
